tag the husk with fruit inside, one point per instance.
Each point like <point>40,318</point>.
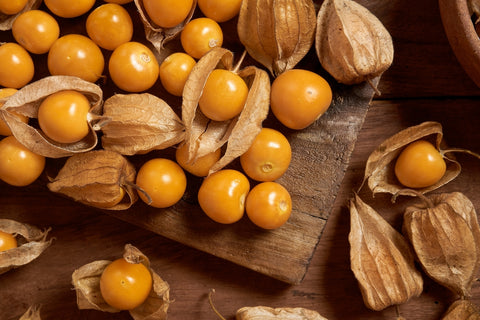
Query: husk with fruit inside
<point>6,21</point>
<point>95,178</point>
<point>444,232</point>
<point>139,123</point>
<point>462,310</point>
<point>351,42</point>
<point>86,281</point>
<point>379,169</point>
<point>32,242</point>
<point>27,100</point>
<point>157,35</point>
<point>204,136</point>
<point>277,34</point>
<point>381,259</point>
<point>269,313</point>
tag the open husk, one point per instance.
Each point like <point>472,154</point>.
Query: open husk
<point>138,123</point>
<point>277,34</point>
<point>32,242</point>
<point>6,21</point>
<point>27,100</point>
<point>268,313</point>
<point>100,178</point>
<point>381,259</point>
<point>379,169</point>
<point>204,136</point>
<point>444,232</point>
<point>462,310</point>
<point>351,43</point>
<point>159,36</point>
<point>33,313</point>
<point>86,281</point>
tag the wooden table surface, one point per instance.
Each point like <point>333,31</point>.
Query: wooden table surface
<point>424,83</point>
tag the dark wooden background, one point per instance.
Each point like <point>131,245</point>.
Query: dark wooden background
<point>425,82</point>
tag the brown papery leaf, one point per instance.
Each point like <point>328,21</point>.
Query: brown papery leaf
<point>86,281</point>
<point>204,136</point>
<point>33,313</point>
<point>98,178</point>
<point>157,35</point>
<point>31,242</point>
<point>379,169</point>
<point>381,259</point>
<point>446,241</point>
<point>278,34</point>
<point>268,313</point>
<point>351,43</point>
<point>139,123</point>
<point>462,310</point>
<point>6,21</point>
<point>27,100</point>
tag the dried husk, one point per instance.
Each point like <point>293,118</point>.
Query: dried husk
<point>95,178</point>
<point>32,242</point>
<point>445,236</point>
<point>277,34</point>
<point>351,42</point>
<point>267,313</point>
<point>33,313</point>
<point>379,169</point>
<point>462,310</point>
<point>157,35</point>
<point>27,100</point>
<point>203,135</point>
<point>6,21</point>
<point>86,281</point>
<point>139,123</point>
<point>381,259</point>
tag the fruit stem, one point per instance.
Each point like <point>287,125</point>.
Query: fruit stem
<point>462,151</point>
<point>374,87</point>
<point>237,66</point>
<point>210,300</point>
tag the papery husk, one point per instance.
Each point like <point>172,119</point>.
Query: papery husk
<point>267,313</point>
<point>277,34</point>
<point>462,310</point>
<point>159,36</point>
<point>203,135</point>
<point>139,123</point>
<point>381,259</point>
<point>6,21</point>
<point>86,281</point>
<point>445,236</point>
<point>351,43</point>
<point>33,313</point>
<point>27,100</point>
<point>95,178</point>
<point>32,242</point>
<point>379,169</point>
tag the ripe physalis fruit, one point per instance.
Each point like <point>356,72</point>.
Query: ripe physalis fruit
<point>27,102</point>
<point>380,166</point>
<point>199,167</point>
<point>138,123</point>
<point>5,93</point>
<point>7,17</point>
<point>444,233</point>
<point>351,43</point>
<point>96,286</point>
<point>99,178</point>
<point>200,35</point>
<point>278,34</point>
<point>30,243</point>
<point>158,30</point>
<point>391,280</point>
<point>203,135</point>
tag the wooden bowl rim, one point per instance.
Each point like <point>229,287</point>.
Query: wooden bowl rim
<point>461,35</point>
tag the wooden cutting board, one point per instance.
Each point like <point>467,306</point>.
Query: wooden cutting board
<point>320,156</point>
